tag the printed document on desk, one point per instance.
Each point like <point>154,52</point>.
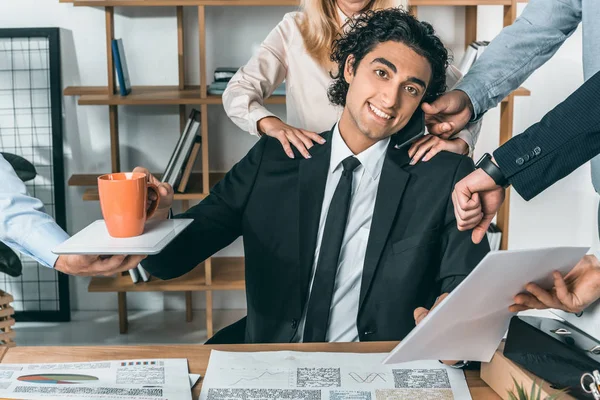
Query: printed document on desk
<point>157,379</point>
<point>470,323</point>
<point>293,375</point>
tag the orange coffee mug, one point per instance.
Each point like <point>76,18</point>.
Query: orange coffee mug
<point>123,198</point>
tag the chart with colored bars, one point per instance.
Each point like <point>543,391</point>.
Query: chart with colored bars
<point>57,379</point>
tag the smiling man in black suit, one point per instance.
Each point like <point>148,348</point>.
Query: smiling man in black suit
<point>349,244</point>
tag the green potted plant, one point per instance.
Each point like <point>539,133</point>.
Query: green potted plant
<point>519,393</point>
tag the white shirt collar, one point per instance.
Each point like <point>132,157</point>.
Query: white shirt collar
<point>371,159</point>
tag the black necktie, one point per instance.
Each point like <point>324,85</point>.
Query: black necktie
<point>317,314</point>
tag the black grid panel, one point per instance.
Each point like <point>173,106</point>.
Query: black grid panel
<point>31,127</point>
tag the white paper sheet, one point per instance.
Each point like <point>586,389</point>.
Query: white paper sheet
<point>157,379</point>
<point>470,323</point>
<point>194,379</point>
<point>284,375</point>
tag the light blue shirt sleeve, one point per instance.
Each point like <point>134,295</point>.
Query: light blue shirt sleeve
<point>519,50</point>
<point>24,225</point>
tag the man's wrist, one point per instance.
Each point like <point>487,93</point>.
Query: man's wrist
<point>489,166</point>
<point>467,100</point>
<point>60,264</point>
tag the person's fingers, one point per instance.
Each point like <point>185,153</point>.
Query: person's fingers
<point>465,198</point>
<point>414,147</point>
<point>441,129</point>
<point>432,153</point>
<point>474,215</point>
<point>480,229</point>
<point>129,262</point>
<point>151,178</point>
<point>141,170</point>
<point>430,108</point>
<point>469,215</point>
<point>101,267</point>
<point>308,143</point>
<point>165,189</point>
<point>424,148</point>
<point>518,308</point>
<point>297,143</point>
<point>471,222</point>
<point>560,286</point>
<point>530,301</point>
<point>315,137</point>
<point>285,143</point>
<point>542,295</point>
<point>419,314</point>
<point>439,300</point>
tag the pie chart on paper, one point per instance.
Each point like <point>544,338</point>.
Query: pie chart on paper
<point>57,379</point>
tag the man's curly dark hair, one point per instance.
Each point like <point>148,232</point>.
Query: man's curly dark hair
<point>392,24</point>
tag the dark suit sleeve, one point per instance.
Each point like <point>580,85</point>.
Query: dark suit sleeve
<point>460,255</point>
<point>566,138</point>
<point>217,221</point>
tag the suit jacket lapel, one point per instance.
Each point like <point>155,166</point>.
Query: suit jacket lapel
<point>311,189</point>
<point>392,184</point>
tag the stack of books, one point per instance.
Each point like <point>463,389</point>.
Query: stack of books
<point>473,52</point>
<point>178,170</point>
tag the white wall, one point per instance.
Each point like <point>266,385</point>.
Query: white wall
<point>563,215</point>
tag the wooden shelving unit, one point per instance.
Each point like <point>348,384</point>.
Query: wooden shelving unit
<point>148,95</point>
<point>194,190</point>
<point>218,273</point>
<point>227,274</point>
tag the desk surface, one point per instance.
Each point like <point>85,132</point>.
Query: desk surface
<point>198,355</point>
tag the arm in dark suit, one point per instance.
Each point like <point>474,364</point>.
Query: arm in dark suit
<point>217,221</point>
<point>566,138</point>
<point>460,255</point>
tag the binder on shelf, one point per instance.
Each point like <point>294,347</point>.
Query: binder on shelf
<point>217,88</point>
<point>121,67</point>
<point>143,273</point>
<point>182,149</point>
<point>189,164</point>
<point>135,277</point>
<point>224,74</point>
<point>472,53</point>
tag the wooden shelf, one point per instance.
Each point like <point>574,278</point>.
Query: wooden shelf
<point>154,3</point>
<point>227,274</point>
<point>148,95</point>
<point>520,92</point>
<point>145,95</point>
<point>193,192</point>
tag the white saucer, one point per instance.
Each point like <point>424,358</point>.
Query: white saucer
<point>94,239</point>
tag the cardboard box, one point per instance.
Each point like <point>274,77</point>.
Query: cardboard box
<point>499,374</point>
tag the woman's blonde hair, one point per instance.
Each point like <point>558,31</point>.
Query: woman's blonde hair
<point>318,24</point>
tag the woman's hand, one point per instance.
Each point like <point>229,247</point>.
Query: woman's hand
<point>286,134</point>
<point>429,145</point>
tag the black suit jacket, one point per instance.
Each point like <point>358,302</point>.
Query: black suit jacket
<point>567,137</point>
<point>414,251</point>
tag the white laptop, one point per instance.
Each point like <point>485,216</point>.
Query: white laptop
<point>94,239</point>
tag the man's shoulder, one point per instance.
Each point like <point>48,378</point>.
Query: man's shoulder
<point>447,164</point>
<point>273,150</point>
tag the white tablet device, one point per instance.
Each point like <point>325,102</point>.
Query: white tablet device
<point>94,239</point>
<point>470,323</point>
